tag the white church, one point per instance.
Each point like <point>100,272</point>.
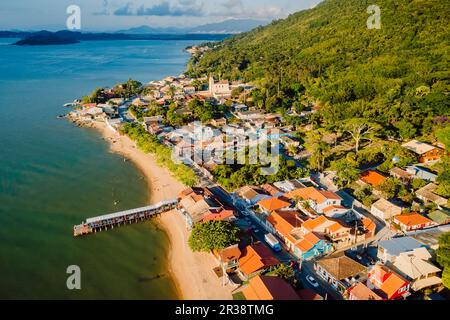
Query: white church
<point>220,89</point>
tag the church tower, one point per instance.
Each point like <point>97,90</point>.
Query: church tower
<point>211,84</point>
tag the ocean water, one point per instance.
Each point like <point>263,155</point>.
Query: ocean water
<point>54,175</point>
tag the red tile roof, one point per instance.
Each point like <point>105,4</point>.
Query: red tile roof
<point>269,288</point>
<point>412,219</point>
<point>273,204</point>
<point>311,193</point>
<point>373,178</point>
<point>222,215</point>
<point>256,257</point>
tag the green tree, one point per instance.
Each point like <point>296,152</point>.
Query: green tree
<point>360,129</point>
<point>417,183</point>
<point>235,93</point>
<point>284,272</point>
<point>346,171</point>
<point>444,181</point>
<point>363,192</point>
<point>406,129</point>
<point>318,149</point>
<point>443,135</point>
<point>389,187</point>
<point>443,257</point>
<point>213,235</point>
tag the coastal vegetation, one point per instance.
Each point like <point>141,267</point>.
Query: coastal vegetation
<point>149,143</point>
<point>196,110</point>
<point>235,176</point>
<point>443,258</point>
<point>395,78</point>
<point>213,235</point>
<point>371,89</point>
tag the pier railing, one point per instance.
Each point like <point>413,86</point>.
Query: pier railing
<point>109,221</point>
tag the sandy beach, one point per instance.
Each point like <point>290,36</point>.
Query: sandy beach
<point>192,272</point>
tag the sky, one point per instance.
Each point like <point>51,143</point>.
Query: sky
<point>110,15</point>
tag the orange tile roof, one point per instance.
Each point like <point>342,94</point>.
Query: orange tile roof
<point>314,223</point>
<point>392,284</point>
<point>311,237</point>
<point>304,245</point>
<point>373,178</point>
<point>272,190</point>
<point>306,242</point>
<point>222,215</point>
<point>230,253</point>
<point>390,281</point>
<point>269,288</point>
<point>369,224</point>
<point>273,204</point>
<point>412,219</point>
<point>335,227</point>
<point>255,258</point>
<point>330,195</point>
<point>361,292</point>
<point>311,193</point>
<point>331,208</point>
<point>283,222</point>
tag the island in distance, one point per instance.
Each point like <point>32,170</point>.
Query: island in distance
<point>69,37</point>
<point>46,38</point>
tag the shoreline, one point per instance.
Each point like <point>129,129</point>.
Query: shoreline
<point>192,272</point>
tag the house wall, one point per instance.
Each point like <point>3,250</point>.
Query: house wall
<point>402,292</point>
<point>431,155</point>
<point>320,206</point>
<point>330,279</point>
<point>406,228</point>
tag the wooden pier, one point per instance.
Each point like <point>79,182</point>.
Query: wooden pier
<point>109,221</point>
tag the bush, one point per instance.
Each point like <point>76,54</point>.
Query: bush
<point>213,235</point>
<point>149,143</point>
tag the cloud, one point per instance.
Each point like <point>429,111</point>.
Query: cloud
<point>126,10</point>
<point>165,8</point>
<point>104,11</point>
<point>236,9</point>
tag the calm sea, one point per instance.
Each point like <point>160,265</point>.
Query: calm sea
<point>54,175</point>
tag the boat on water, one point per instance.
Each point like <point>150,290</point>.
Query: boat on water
<point>74,103</point>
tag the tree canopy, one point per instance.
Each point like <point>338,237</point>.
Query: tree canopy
<point>443,257</point>
<point>396,76</point>
<point>213,235</point>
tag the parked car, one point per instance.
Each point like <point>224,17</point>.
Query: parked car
<point>312,281</point>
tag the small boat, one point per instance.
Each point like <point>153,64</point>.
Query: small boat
<point>75,103</point>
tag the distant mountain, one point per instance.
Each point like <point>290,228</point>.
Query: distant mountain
<point>70,37</point>
<point>47,38</point>
<point>150,30</point>
<point>231,26</point>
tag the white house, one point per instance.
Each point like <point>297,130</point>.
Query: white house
<point>321,201</point>
<point>389,250</point>
<point>385,210</point>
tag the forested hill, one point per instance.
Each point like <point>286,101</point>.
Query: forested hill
<point>396,74</point>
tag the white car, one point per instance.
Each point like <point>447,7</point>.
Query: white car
<point>312,281</point>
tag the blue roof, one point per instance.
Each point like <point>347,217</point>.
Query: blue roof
<point>396,246</point>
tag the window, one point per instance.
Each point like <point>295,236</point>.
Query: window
<point>403,289</point>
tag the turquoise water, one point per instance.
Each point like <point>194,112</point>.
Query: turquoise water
<point>54,175</point>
